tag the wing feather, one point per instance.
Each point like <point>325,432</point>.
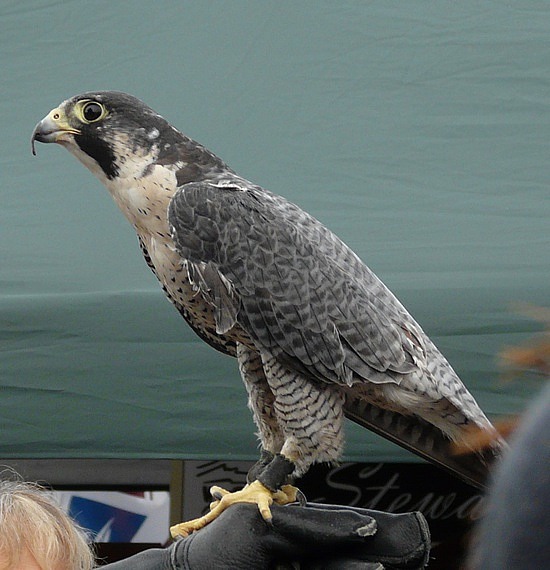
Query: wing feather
<point>270,267</point>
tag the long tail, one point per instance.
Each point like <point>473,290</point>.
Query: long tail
<point>423,439</point>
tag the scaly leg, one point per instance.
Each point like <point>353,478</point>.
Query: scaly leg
<point>270,486</point>
<point>255,493</point>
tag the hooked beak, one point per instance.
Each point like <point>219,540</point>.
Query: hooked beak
<point>54,127</point>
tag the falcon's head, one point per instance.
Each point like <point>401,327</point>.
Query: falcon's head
<point>116,135</point>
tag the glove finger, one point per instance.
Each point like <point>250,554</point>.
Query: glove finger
<point>313,525</point>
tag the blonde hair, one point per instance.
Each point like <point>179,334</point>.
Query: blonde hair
<point>30,519</point>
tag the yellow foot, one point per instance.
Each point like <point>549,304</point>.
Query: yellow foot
<point>253,493</point>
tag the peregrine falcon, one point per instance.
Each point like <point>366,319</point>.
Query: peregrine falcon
<point>316,334</point>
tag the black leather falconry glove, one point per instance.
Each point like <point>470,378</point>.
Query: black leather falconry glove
<point>312,537</point>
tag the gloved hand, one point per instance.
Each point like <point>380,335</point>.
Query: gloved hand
<point>328,537</point>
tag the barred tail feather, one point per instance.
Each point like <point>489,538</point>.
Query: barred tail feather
<point>424,440</point>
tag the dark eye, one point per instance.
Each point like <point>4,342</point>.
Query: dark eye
<point>92,111</point>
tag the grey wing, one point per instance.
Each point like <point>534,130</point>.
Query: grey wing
<point>274,270</point>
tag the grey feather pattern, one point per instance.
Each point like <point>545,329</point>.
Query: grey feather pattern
<point>303,294</point>
<point>218,291</point>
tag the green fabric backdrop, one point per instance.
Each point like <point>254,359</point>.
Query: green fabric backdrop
<point>418,131</point>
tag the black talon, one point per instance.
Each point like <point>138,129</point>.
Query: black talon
<point>216,495</point>
<point>301,498</point>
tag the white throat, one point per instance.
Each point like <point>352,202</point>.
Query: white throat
<point>142,190</point>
